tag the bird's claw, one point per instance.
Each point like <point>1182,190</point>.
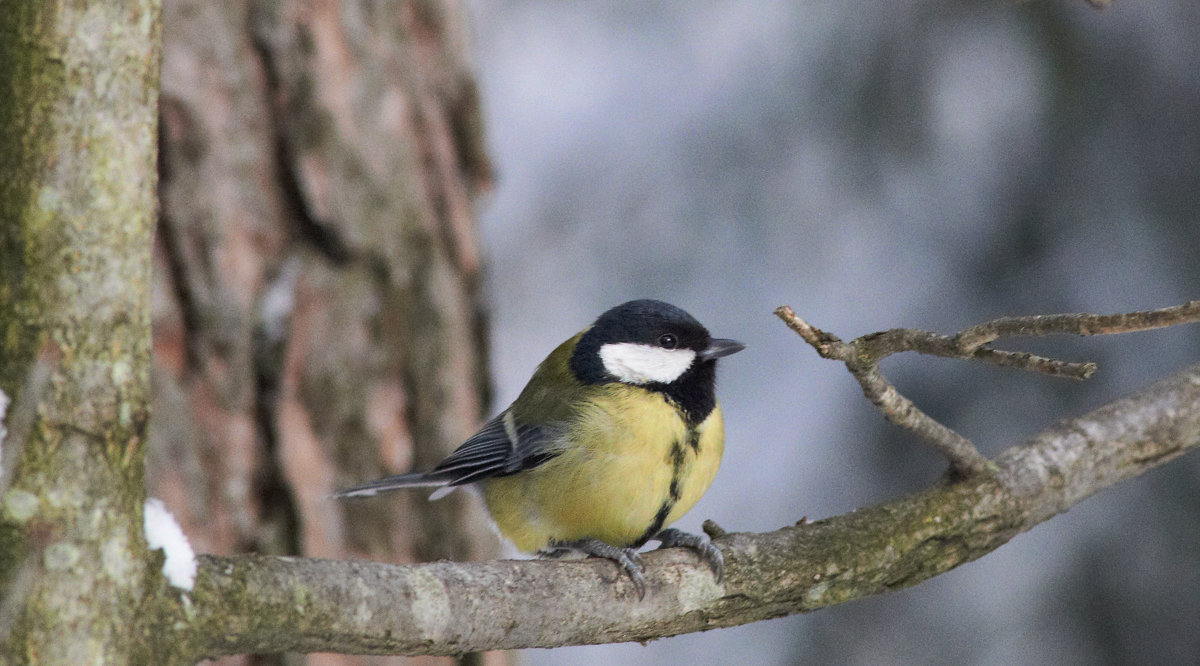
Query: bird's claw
<point>627,558</point>
<point>673,538</point>
<point>631,563</point>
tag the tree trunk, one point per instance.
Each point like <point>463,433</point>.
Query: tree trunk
<point>316,315</point>
<point>77,183</point>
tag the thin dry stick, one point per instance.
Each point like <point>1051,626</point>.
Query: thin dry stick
<point>1077,324</point>
<point>964,458</point>
<point>877,346</point>
<point>862,356</point>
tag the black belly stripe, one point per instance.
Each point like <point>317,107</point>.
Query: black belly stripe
<point>678,457</point>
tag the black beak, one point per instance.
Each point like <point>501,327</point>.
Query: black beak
<point>719,347</point>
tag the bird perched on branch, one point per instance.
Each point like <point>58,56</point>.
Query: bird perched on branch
<point>616,436</point>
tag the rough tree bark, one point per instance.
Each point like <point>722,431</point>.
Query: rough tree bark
<point>317,318</point>
<point>78,122</point>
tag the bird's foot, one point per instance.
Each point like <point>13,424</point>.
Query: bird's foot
<point>673,538</point>
<point>626,558</point>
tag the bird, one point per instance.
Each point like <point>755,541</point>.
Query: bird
<point>617,435</point>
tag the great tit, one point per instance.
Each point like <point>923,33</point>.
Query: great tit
<point>617,435</point>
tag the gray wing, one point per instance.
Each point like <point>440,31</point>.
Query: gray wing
<point>500,448</point>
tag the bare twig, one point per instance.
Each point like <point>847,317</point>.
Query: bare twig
<point>1027,361</point>
<point>1077,324</point>
<point>964,458</point>
<point>877,346</point>
<point>862,356</point>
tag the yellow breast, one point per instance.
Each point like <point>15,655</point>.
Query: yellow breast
<point>631,466</point>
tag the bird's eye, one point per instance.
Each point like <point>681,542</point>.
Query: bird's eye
<point>667,341</point>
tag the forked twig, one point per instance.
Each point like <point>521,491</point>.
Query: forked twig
<point>862,356</point>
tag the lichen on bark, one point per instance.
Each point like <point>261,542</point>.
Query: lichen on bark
<point>77,156</point>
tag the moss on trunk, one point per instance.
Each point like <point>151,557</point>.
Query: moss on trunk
<point>77,166</point>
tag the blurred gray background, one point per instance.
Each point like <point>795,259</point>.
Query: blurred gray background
<point>920,164</point>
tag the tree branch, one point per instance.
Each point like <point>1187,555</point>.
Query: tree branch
<point>271,604</point>
<point>1077,324</point>
<point>862,356</point>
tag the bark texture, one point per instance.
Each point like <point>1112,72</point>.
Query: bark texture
<point>317,317</point>
<point>78,124</point>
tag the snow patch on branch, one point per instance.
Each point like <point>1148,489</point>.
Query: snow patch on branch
<point>163,531</point>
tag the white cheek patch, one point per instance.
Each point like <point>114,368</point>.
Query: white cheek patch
<point>633,363</point>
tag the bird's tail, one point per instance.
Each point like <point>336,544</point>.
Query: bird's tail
<point>387,484</point>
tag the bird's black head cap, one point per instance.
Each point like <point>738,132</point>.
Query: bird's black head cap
<point>654,324</point>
